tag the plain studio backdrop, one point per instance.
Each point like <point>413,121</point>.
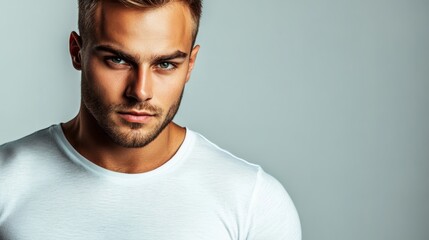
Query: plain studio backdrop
<point>330,97</point>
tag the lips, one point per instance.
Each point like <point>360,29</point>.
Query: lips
<point>136,116</point>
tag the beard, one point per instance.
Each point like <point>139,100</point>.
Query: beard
<point>136,135</point>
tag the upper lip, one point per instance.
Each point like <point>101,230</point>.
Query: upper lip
<point>137,113</point>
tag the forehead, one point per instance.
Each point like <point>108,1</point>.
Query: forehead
<point>144,29</point>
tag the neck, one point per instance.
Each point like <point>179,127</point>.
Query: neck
<point>86,136</point>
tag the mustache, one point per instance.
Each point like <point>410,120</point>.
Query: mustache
<point>139,106</point>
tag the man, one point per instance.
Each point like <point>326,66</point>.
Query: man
<point>121,169</point>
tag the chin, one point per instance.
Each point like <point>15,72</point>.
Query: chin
<point>133,135</point>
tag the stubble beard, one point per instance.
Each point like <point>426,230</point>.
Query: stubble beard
<point>133,137</point>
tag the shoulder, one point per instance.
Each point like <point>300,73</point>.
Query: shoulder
<point>214,157</point>
<point>36,142</point>
<point>22,158</point>
<point>218,165</point>
<point>272,214</point>
<point>270,211</point>
<point>24,166</point>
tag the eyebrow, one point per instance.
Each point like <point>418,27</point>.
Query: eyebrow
<point>117,52</point>
<point>155,58</point>
<point>176,55</point>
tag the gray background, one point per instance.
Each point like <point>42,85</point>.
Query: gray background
<point>331,97</point>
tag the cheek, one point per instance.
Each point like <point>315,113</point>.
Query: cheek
<point>169,88</point>
<point>106,84</point>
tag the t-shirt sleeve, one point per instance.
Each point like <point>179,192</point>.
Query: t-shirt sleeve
<point>272,214</point>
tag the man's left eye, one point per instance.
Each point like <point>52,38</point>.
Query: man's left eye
<point>166,66</point>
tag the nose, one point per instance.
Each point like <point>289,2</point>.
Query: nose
<point>140,86</point>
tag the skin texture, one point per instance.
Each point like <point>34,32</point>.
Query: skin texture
<point>134,70</point>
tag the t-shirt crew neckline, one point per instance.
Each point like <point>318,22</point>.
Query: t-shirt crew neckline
<point>180,156</point>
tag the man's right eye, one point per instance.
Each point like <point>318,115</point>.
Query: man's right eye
<point>117,60</point>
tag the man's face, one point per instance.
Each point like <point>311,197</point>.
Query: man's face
<point>134,69</point>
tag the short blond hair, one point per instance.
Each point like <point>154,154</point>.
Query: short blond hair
<point>87,12</point>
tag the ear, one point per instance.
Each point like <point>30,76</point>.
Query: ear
<point>75,46</point>
<point>192,60</point>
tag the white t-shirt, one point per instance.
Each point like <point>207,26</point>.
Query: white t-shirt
<point>48,191</point>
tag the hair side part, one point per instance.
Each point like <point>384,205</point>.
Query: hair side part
<point>87,10</point>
